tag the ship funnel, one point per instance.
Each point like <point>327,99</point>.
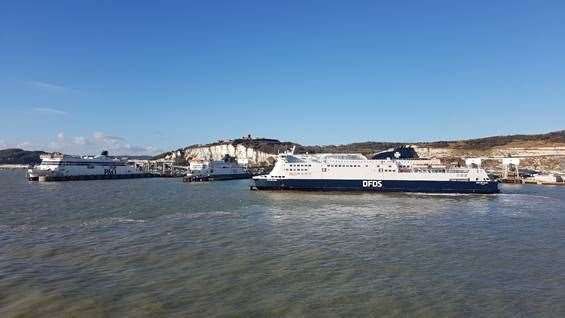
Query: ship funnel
<point>104,153</point>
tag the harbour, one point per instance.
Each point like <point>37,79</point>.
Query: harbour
<point>158,247</point>
<point>287,159</point>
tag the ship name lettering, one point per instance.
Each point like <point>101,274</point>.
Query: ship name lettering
<point>372,184</point>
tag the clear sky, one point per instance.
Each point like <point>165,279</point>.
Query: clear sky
<point>146,76</point>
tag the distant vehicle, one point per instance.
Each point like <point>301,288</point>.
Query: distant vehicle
<point>354,172</point>
<point>59,167</point>
<point>206,170</point>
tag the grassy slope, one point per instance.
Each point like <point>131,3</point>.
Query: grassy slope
<point>369,147</point>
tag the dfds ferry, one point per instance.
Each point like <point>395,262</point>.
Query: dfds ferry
<point>59,167</point>
<point>354,172</point>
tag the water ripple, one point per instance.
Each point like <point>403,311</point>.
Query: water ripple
<point>158,247</point>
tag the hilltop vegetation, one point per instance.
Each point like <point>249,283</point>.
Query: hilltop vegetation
<point>19,156</point>
<point>371,147</point>
<point>538,140</point>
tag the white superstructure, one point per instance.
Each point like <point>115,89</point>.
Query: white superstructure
<point>357,166</point>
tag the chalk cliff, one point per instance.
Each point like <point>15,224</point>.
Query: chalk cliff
<point>262,151</point>
<point>258,151</point>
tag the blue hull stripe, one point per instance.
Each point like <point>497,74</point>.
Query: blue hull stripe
<point>378,186</point>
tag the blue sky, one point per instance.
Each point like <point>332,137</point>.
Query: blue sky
<point>146,76</point>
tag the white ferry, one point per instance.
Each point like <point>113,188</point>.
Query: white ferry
<point>207,170</point>
<point>59,167</point>
<point>354,172</point>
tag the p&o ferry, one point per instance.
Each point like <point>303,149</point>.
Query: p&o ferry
<point>355,172</point>
<point>60,167</point>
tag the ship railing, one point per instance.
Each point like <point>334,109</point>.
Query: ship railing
<point>433,170</point>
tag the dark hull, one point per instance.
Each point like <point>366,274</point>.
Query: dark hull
<point>93,177</point>
<point>217,177</point>
<point>378,186</point>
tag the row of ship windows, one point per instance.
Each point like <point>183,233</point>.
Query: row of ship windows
<point>299,165</point>
<point>82,164</point>
<point>386,170</point>
<point>279,177</point>
<point>380,170</point>
<point>296,169</point>
<point>346,166</point>
<point>353,166</point>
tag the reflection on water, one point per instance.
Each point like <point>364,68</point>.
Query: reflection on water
<point>153,247</point>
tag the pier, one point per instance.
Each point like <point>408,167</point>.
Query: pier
<point>161,168</point>
<point>510,172</point>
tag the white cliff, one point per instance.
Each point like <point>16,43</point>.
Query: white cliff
<point>244,154</point>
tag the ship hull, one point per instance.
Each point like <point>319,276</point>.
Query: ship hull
<point>484,187</point>
<point>217,177</point>
<point>89,177</point>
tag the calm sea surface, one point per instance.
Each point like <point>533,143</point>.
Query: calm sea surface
<point>160,247</point>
